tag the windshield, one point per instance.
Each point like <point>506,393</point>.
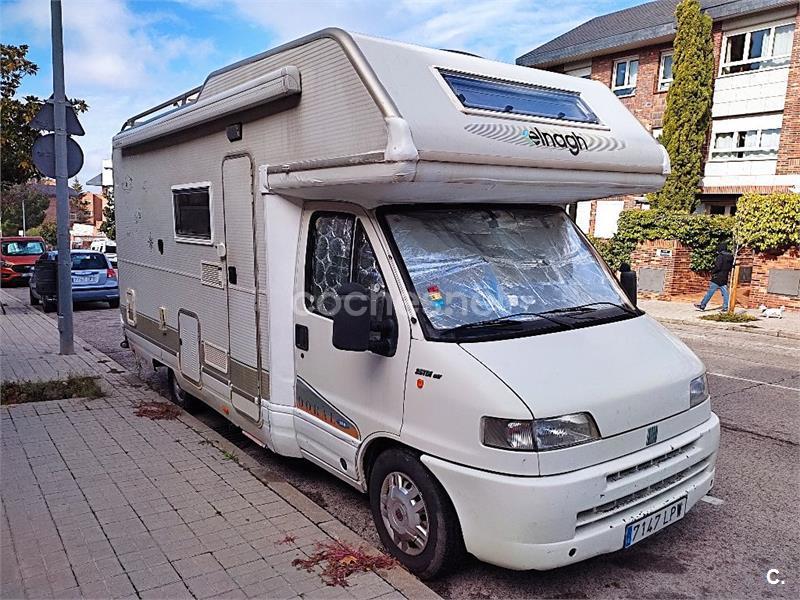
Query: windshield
<point>23,248</point>
<point>473,265</point>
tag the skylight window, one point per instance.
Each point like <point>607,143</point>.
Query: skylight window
<point>519,99</point>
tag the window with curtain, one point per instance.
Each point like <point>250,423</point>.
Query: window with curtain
<point>761,48</point>
<point>748,144</point>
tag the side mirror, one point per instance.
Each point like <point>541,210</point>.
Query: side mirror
<point>627,279</point>
<point>351,323</point>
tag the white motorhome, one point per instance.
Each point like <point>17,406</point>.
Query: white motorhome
<point>357,251</point>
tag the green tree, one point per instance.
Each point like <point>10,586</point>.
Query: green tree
<point>109,224</point>
<point>48,231</point>
<point>77,186</point>
<point>688,110</point>
<point>16,136</point>
<point>11,202</point>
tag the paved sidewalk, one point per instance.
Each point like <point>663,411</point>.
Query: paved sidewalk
<point>685,313</point>
<point>100,503</point>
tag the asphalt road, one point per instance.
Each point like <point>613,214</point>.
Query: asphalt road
<point>721,549</point>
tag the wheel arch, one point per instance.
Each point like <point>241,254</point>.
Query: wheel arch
<point>371,449</point>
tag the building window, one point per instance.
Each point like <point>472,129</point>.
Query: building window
<point>753,143</point>
<point>665,72</point>
<point>758,49</point>
<point>192,212</point>
<point>625,72</point>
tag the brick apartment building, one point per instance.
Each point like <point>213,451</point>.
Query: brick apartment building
<point>754,137</point>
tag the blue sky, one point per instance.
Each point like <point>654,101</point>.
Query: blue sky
<point>123,56</point>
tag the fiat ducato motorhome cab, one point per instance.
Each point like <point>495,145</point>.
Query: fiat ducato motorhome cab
<point>357,251</point>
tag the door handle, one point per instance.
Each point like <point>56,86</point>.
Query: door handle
<point>301,337</point>
<point>232,275</point>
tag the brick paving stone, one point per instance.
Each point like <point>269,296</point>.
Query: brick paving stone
<point>99,503</point>
<point>211,584</point>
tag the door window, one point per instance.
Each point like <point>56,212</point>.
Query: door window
<point>339,252</point>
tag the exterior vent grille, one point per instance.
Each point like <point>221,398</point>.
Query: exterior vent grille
<point>211,274</point>
<point>215,357</point>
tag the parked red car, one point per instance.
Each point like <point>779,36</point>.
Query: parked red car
<point>18,255</point>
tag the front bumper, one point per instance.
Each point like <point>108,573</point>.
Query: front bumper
<point>547,522</point>
<point>8,275</point>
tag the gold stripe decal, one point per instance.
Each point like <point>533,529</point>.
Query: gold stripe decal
<point>310,402</point>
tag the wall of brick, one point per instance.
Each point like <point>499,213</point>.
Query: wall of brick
<point>647,104</point>
<point>789,150</point>
<point>679,279</point>
<point>762,264</point>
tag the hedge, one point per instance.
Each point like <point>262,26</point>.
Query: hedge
<point>768,223</point>
<point>701,233</point>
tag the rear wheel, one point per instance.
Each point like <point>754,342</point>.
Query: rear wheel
<point>179,396</point>
<point>114,303</point>
<point>34,299</point>
<point>415,519</point>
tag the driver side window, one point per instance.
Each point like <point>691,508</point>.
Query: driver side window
<point>339,252</point>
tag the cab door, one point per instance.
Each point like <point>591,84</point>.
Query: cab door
<point>343,397</point>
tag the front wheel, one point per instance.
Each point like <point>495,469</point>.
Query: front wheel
<point>49,306</point>
<point>113,303</point>
<point>415,519</point>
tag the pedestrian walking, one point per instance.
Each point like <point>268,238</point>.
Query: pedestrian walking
<point>719,278</point>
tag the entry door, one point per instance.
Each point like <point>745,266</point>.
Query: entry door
<point>244,365</point>
<point>342,397</point>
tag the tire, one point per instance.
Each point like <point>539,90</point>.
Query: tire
<point>34,299</point>
<point>49,306</point>
<point>183,399</point>
<point>113,303</point>
<point>398,483</point>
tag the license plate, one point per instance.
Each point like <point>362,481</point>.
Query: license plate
<point>654,522</point>
<point>84,279</point>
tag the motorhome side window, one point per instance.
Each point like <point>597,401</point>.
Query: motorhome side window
<point>519,98</point>
<point>192,211</point>
<point>338,252</point>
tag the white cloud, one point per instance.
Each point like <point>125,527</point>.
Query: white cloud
<point>114,59</point>
<point>122,60</point>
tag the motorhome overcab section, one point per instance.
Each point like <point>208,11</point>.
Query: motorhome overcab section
<point>404,302</point>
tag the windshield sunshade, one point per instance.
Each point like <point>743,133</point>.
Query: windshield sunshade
<point>472,265</point>
<point>520,99</point>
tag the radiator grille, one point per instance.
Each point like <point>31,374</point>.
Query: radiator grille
<point>211,274</point>
<point>649,464</point>
<point>216,357</point>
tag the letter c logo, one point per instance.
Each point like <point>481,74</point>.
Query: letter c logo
<point>773,577</point>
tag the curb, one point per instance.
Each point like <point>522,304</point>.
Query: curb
<point>751,329</point>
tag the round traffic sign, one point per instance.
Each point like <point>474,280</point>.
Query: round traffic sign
<point>44,155</point>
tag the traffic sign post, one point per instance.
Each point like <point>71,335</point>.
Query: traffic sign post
<point>66,343</point>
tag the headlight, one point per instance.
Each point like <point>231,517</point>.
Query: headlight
<point>540,434</point>
<point>5,264</point>
<point>698,390</point>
